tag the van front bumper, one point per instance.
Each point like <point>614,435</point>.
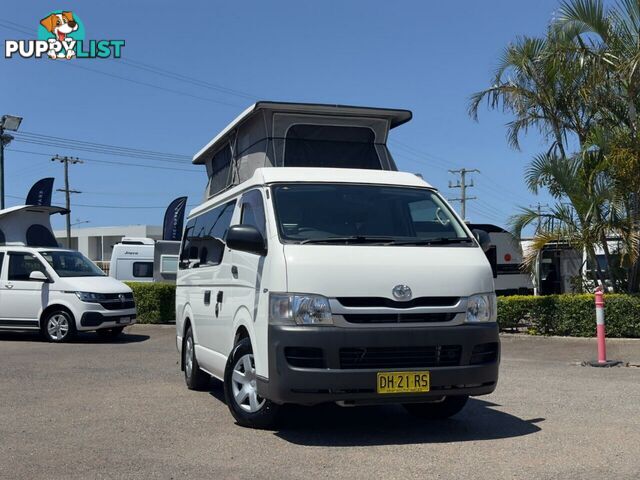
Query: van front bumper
<point>338,378</point>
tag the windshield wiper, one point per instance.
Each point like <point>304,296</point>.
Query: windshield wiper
<point>431,241</point>
<point>350,239</point>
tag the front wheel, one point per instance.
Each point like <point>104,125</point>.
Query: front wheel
<point>241,393</point>
<point>194,377</point>
<point>58,327</point>
<point>446,408</point>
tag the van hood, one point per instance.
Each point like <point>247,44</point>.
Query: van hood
<point>93,284</point>
<point>373,271</point>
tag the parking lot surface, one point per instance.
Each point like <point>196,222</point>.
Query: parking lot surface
<point>119,409</point>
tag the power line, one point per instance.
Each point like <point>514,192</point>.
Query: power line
<point>105,146</point>
<point>107,162</point>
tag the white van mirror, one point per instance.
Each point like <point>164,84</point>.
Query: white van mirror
<point>246,238</point>
<point>38,276</point>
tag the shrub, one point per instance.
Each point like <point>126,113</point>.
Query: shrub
<point>155,302</point>
<point>570,315</point>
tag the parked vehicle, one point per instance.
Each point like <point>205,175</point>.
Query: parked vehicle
<point>505,256</point>
<point>132,259</point>
<point>54,290</point>
<point>311,285</point>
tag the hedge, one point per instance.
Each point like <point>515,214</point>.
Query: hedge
<point>565,315</point>
<point>569,315</point>
<point>155,302</point>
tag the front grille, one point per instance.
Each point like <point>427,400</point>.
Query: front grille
<point>484,353</point>
<point>304,357</point>
<point>364,302</point>
<point>400,357</point>
<point>112,301</point>
<point>399,317</point>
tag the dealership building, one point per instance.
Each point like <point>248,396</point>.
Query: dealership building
<point>97,242</point>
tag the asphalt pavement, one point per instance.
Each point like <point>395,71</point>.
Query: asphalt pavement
<point>97,408</point>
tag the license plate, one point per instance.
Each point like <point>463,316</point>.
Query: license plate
<point>403,382</point>
<point>124,319</point>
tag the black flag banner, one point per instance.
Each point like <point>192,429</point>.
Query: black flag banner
<point>173,219</point>
<point>40,193</point>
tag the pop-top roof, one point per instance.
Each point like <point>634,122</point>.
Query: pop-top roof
<point>395,117</point>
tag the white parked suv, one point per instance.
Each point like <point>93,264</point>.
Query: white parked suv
<point>60,292</point>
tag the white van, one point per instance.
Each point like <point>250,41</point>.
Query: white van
<point>356,286</point>
<point>53,290</point>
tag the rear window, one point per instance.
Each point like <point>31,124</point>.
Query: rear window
<point>331,146</point>
<point>143,269</point>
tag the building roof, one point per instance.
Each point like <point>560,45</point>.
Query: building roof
<point>395,117</point>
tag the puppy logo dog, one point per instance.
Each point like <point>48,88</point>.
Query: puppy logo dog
<point>60,25</point>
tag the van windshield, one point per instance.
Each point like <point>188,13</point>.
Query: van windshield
<point>365,214</point>
<point>71,264</point>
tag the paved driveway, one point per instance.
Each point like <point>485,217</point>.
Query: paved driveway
<point>99,409</point>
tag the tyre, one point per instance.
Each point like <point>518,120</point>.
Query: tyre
<point>446,408</point>
<point>240,391</point>
<point>58,326</point>
<point>110,332</point>
<point>194,377</point>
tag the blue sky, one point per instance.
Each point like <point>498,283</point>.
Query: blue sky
<point>426,56</point>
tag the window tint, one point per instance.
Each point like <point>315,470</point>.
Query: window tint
<point>253,211</point>
<point>331,146</point>
<point>203,243</point>
<point>143,269</point>
<point>1,260</point>
<point>22,264</point>
<point>40,236</point>
<point>2,239</point>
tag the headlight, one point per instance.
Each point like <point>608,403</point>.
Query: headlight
<point>299,308</point>
<point>90,297</point>
<point>481,308</point>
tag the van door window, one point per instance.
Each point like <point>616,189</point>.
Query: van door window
<point>1,260</point>
<point>253,211</point>
<point>2,239</point>
<point>21,265</point>
<point>204,237</point>
<point>143,269</point>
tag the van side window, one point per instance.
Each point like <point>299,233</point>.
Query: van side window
<point>1,260</point>
<point>21,265</point>
<point>2,239</point>
<point>203,243</point>
<point>143,269</point>
<point>253,211</point>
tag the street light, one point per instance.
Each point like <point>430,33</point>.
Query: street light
<point>10,123</point>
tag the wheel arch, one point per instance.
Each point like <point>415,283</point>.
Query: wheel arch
<point>52,308</point>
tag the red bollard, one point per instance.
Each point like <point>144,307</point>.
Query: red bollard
<point>600,332</point>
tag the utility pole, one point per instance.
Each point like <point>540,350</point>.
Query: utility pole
<point>462,185</point>
<point>539,208</point>
<point>66,161</point>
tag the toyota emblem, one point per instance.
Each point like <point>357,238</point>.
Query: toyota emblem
<point>402,292</point>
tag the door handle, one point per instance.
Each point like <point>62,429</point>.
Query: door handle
<point>234,271</point>
<point>218,303</point>
<point>207,297</point>
<point>8,285</point>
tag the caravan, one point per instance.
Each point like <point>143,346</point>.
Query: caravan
<point>356,285</point>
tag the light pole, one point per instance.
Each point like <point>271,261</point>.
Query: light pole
<point>10,123</point>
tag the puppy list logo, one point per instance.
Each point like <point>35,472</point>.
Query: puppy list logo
<point>61,35</point>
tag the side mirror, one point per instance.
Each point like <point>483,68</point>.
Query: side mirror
<point>38,276</point>
<point>483,239</point>
<point>246,238</point>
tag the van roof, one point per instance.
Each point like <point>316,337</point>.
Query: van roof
<point>266,176</point>
<point>395,117</point>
